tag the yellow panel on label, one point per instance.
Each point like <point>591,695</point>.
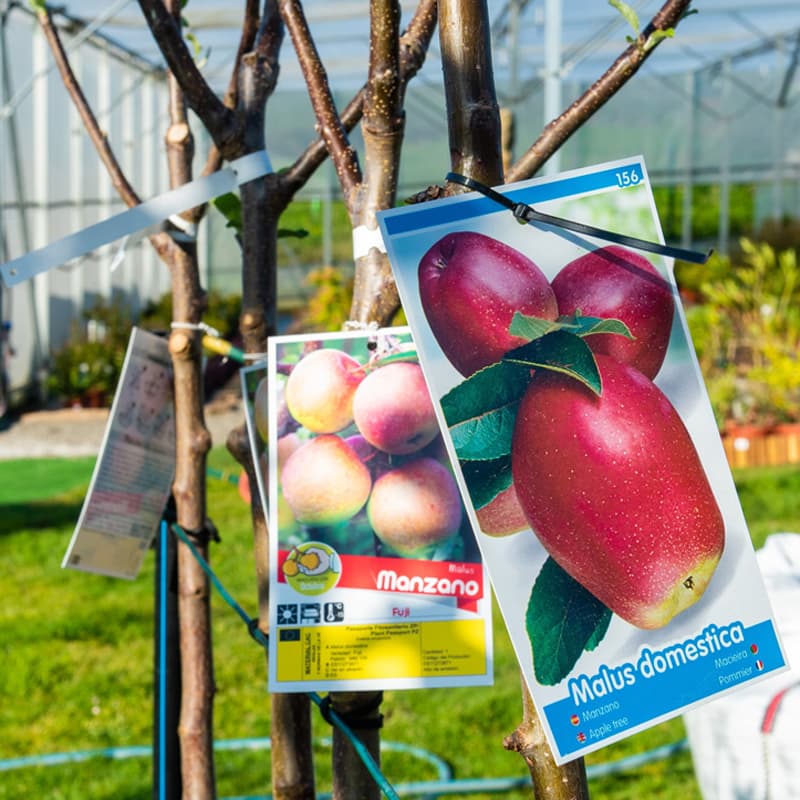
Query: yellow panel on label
<point>290,655</point>
<point>363,652</point>
<point>453,648</point>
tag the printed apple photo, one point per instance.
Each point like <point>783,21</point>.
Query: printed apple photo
<point>376,580</point>
<point>360,460</point>
<point>586,451</point>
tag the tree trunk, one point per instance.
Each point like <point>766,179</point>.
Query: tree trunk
<point>550,782</point>
<point>189,489</point>
<point>361,711</point>
<point>474,129</point>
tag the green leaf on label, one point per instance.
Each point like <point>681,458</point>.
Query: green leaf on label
<point>562,352</point>
<point>562,620</point>
<point>486,479</point>
<point>492,387</point>
<point>587,326</point>
<point>481,411</point>
<point>401,355</point>
<point>531,327</point>
<point>486,436</point>
<point>599,632</point>
<point>631,17</point>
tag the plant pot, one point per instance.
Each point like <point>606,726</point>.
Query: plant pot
<point>761,445</point>
<point>789,434</point>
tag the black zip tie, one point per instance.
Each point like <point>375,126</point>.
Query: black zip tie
<point>526,215</point>
<point>352,720</point>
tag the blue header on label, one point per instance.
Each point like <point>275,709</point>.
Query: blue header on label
<point>616,699</point>
<point>427,215</point>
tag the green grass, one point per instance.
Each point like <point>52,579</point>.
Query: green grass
<point>77,658</point>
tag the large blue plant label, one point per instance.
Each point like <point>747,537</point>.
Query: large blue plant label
<point>585,449</point>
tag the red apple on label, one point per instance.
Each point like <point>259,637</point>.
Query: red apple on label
<point>615,491</point>
<point>415,506</point>
<point>470,286</point>
<point>615,282</point>
<point>320,389</point>
<point>393,411</point>
<point>503,515</point>
<point>324,481</point>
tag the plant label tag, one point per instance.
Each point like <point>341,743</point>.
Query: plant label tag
<point>134,470</point>
<point>586,451</point>
<point>376,581</point>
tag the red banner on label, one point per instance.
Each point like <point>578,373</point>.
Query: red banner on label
<point>461,580</point>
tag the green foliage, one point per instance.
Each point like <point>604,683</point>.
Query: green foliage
<point>87,368</point>
<point>781,234</point>
<point>309,216</point>
<point>705,210</point>
<point>77,655</point>
<point>628,14</point>
<point>746,331</point>
<point>329,307</point>
<point>230,206</point>
<point>91,361</point>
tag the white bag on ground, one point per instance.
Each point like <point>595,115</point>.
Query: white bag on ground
<point>744,746</point>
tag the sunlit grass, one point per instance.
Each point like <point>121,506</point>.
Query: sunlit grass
<point>77,660</point>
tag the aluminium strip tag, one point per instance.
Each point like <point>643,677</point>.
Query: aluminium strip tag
<point>139,217</point>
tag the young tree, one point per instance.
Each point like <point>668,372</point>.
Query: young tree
<point>236,124</point>
<point>475,145</point>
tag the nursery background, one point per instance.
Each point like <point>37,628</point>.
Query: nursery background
<point>714,110</point>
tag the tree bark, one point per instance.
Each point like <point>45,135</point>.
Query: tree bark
<point>474,129</point>
<point>375,296</point>
<point>361,711</point>
<point>189,488</point>
<point>550,782</point>
<point>473,116</point>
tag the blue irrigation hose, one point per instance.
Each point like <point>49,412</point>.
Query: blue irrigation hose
<point>444,784</point>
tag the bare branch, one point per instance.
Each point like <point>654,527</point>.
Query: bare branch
<point>415,41</point>
<point>246,41</point>
<point>374,293</point>
<point>383,117</point>
<point>330,125</point>
<point>162,242</point>
<point>567,782</point>
<point>96,134</point>
<point>248,35</point>
<point>414,45</point>
<point>599,93</point>
<point>219,120</point>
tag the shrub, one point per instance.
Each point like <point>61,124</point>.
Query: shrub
<point>746,330</point>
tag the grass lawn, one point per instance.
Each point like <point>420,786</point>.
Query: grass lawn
<point>77,661</point>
